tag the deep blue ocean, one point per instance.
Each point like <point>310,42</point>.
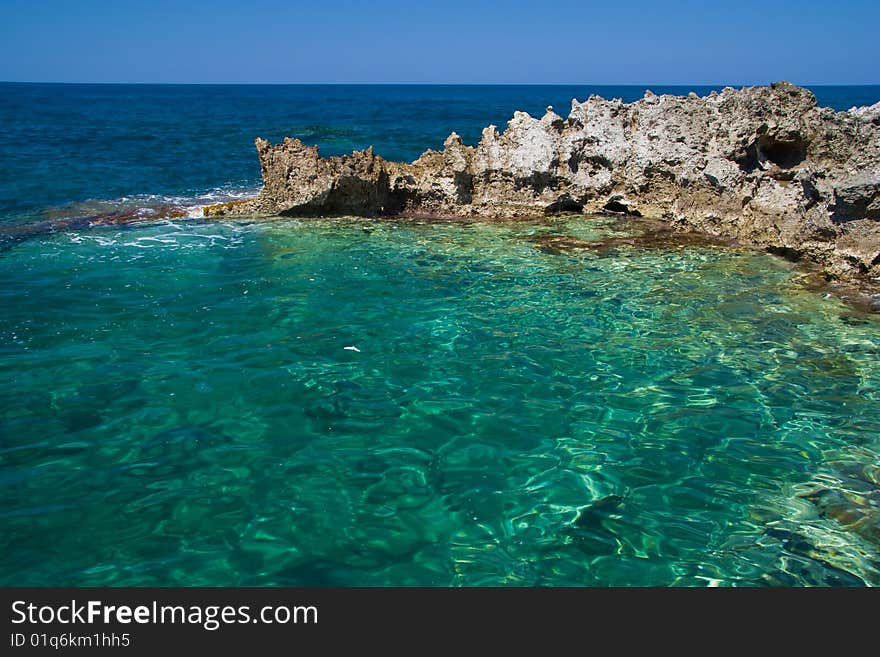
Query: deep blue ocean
<point>345,401</point>
<point>61,144</point>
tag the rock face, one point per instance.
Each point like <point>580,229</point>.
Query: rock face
<point>763,165</point>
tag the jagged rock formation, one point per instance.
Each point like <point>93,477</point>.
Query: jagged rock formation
<point>763,165</point>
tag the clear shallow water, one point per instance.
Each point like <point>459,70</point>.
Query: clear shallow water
<point>179,408</point>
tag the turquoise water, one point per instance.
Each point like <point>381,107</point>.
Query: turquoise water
<point>180,408</point>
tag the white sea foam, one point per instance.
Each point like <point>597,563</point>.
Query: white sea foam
<point>157,206</point>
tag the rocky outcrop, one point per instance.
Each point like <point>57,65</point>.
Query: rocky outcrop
<point>763,165</point>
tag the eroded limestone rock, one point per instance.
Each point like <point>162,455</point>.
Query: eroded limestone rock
<point>763,165</point>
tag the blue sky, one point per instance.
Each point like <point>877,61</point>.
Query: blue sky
<point>456,41</point>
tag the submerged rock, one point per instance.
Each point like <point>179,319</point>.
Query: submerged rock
<point>12,234</point>
<point>849,493</point>
<point>652,234</point>
<point>763,165</point>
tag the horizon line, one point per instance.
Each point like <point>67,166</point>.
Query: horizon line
<point>448,84</point>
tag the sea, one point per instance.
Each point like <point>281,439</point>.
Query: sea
<point>353,402</point>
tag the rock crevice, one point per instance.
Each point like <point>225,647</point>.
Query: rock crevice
<point>763,165</point>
